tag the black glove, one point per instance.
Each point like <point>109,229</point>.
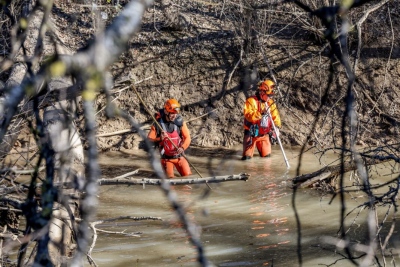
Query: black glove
<point>273,138</point>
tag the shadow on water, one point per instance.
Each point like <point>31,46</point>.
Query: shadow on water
<point>241,223</point>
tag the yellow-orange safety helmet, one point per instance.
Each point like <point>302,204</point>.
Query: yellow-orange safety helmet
<point>267,86</point>
<point>172,106</point>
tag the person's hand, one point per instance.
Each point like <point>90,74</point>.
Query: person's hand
<point>265,111</point>
<point>180,150</point>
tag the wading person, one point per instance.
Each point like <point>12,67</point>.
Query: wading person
<point>258,128</point>
<point>173,139</point>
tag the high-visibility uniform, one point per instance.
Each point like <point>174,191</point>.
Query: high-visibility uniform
<point>257,127</point>
<point>178,136</point>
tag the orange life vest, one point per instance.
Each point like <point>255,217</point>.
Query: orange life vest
<point>261,127</point>
<point>169,145</point>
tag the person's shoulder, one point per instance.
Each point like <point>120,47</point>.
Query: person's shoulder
<point>179,120</point>
<point>158,115</point>
<point>252,98</point>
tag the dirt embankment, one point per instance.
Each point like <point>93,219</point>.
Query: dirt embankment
<point>211,65</point>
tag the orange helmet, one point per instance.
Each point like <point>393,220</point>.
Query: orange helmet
<point>172,106</point>
<point>268,86</point>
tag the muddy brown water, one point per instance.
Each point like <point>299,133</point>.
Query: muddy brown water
<point>242,223</point>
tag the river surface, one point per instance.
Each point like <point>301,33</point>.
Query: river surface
<point>242,223</point>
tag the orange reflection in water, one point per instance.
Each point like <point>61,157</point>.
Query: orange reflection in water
<point>282,231</point>
<point>267,247</point>
<point>266,214</point>
<point>270,185</point>
<point>262,235</point>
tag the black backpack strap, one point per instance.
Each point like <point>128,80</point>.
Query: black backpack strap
<point>179,121</point>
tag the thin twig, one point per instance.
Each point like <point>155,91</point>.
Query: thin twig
<point>201,116</point>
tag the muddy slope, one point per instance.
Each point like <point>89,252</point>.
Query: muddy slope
<point>213,61</point>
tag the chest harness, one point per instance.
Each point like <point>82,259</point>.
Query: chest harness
<point>169,145</point>
<point>261,127</point>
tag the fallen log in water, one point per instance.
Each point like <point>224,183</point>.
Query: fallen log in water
<point>183,181</point>
<point>123,180</point>
<point>330,172</point>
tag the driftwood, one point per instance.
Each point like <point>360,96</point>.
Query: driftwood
<point>122,180</point>
<point>329,172</point>
<point>184,181</point>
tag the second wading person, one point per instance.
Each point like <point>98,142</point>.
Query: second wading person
<point>258,110</point>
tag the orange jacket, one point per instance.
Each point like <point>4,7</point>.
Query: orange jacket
<point>185,134</point>
<point>253,109</point>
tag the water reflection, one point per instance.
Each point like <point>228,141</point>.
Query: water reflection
<point>241,223</point>
<point>268,227</point>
